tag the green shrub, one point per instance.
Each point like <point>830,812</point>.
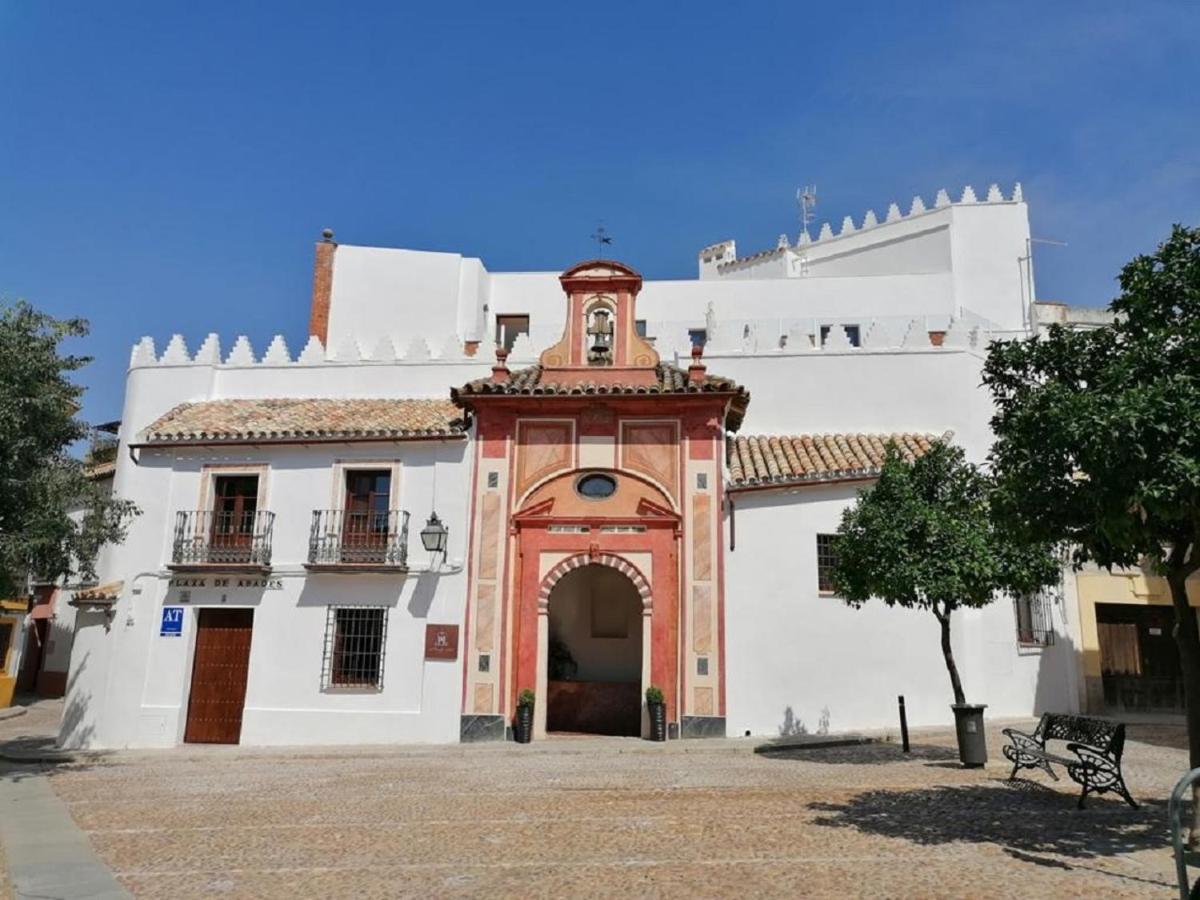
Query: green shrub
<point>525,698</point>
<point>654,694</point>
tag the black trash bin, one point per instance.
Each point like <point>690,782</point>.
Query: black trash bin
<point>972,742</point>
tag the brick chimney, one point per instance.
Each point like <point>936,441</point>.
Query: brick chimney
<point>322,289</point>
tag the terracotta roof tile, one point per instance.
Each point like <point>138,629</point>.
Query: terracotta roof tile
<point>671,380</point>
<point>99,471</point>
<point>291,419</point>
<point>814,458</point>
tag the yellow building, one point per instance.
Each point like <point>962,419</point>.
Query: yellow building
<point>12,614</point>
<point>1128,655</point>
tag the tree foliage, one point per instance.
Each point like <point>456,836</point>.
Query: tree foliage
<point>1098,435</point>
<point>924,537</point>
<point>1099,431</point>
<point>40,482</point>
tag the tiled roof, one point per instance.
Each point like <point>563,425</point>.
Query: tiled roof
<point>671,380</point>
<point>263,421</point>
<point>98,471</point>
<point>101,595</point>
<point>812,458</point>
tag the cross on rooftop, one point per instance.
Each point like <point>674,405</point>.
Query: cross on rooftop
<point>601,238</point>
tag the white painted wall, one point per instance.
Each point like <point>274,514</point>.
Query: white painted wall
<point>129,686</point>
<point>964,257</point>
<point>397,325</point>
<point>789,646</point>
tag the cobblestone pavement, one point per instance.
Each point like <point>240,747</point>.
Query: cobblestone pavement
<point>576,817</point>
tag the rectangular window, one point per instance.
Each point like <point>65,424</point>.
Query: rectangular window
<point>367,520</point>
<point>355,637</point>
<point>826,560</point>
<point>852,332</point>
<point>235,505</point>
<point>698,336</point>
<point>508,328</point>
<point>639,326</point>
<point>1035,626</point>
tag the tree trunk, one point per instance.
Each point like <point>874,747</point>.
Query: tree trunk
<point>948,653</point>
<point>1187,639</point>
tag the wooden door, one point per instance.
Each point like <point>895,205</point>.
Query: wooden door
<point>219,669</point>
<point>366,523</point>
<point>234,509</point>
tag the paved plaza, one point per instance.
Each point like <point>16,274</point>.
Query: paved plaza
<point>611,817</point>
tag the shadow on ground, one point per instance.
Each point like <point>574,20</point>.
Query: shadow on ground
<point>862,754</point>
<point>1023,818</point>
<point>1172,736</point>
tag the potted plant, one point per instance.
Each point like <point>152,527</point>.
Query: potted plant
<point>926,536</point>
<point>658,713</point>
<point>523,723</point>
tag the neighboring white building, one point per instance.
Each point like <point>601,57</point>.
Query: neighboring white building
<point>274,486</point>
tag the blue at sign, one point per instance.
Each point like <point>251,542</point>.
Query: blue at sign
<point>172,622</point>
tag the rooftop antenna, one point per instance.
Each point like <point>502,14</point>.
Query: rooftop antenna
<point>601,237</point>
<point>806,198</point>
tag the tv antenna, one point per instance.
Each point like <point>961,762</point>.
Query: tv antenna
<point>806,198</point>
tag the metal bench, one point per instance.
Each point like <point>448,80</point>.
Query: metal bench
<point>1096,743</point>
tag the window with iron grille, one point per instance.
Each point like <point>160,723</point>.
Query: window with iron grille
<point>1035,627</point>
<point>355,637</point>
<point>826,560</point>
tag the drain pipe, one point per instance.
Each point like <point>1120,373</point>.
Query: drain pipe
<point>680,656</point>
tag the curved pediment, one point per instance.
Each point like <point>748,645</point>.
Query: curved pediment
<point>600,268</point>
<point>633,498</point>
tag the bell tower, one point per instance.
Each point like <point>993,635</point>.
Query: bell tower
<point>600,343</point>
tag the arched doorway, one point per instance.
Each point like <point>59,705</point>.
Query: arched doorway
<point>595,653</point>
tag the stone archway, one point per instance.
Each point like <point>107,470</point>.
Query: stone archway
<point>597,607</point>
<point>594,653</point>
<point>601,559</point>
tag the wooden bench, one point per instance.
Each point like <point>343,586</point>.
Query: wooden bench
<point>1096,743</point>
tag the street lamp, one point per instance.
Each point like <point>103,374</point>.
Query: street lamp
<point>433,535</point>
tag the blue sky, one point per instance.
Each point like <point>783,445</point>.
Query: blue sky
<point>166,167</point>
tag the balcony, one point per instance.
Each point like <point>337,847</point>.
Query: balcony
<point>238,541</point>
<point>372,541</point>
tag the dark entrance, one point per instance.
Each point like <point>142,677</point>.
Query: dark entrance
<point>35,649</point>
<point>594,659</point>
<point>219,668</point>
<point>1139,661</point>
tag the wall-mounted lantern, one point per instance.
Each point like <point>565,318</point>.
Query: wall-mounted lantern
<point>433,535</point>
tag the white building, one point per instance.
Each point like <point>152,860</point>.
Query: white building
<point>270,594</point>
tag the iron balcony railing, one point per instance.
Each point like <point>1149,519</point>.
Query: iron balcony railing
<point>207,538</point>
<point>343,538</point>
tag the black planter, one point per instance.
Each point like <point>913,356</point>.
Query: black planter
<point>523,724</point>
<point>658,721</point>
<point>972,743</point>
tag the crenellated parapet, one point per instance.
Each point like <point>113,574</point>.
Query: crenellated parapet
<point>800,337</point>
<point>722,258</point>
<point>417,351</point>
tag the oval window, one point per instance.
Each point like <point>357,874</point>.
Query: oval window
<point>596,486</point>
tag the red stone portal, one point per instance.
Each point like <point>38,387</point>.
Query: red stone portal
<point>599,403</point>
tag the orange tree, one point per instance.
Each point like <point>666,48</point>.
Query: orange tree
<point>1098,436</point>
<point>924,537</point>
